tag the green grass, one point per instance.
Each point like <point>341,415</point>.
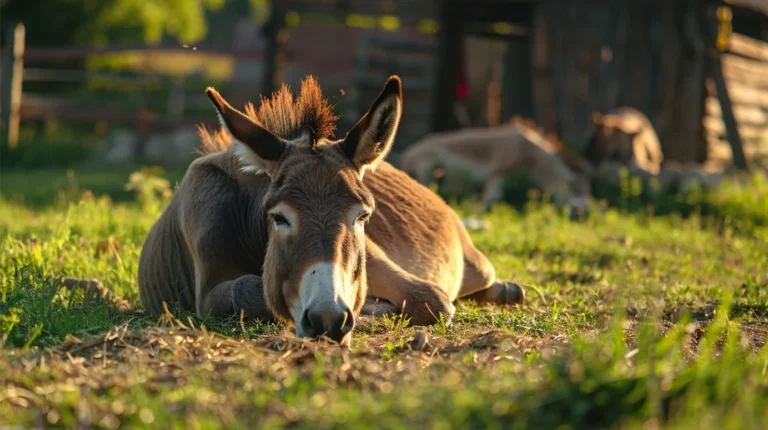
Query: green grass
<point>643,322</point>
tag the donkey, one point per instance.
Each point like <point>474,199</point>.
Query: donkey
<point>626,136</point>
<point>276,221</point>
<point>487,154</point>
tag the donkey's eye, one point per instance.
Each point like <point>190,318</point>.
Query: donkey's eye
<point>281,220</point>
<point>364,217</point>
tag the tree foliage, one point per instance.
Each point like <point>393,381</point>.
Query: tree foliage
<point>99,22</point>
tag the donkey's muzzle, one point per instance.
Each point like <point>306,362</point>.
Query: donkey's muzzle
<point>335,322</point>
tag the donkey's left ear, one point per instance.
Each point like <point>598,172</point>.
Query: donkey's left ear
<point>261,150</point>
<point>370,140</point>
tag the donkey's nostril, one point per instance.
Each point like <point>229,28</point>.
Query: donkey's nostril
<point>349,322</point>
<point>306,325</point>
<point>335,324</point>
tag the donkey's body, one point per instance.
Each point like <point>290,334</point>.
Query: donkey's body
<point>488,154</point>
<point>210,249</point>
<point>412,229</point>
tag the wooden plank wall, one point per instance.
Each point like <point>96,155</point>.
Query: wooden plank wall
<point>600,54</point>
<point>745,68</point>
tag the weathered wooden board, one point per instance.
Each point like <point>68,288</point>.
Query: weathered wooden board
<point>745,114</point>
<point>750,72</point>
<point>748,47</point>
<point>715,125</point>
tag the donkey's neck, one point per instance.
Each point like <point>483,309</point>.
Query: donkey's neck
<point>248,210</point>
<point>253,221</point>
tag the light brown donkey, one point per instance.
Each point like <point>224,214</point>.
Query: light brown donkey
<point>280,222</point>
<point>486,155</point>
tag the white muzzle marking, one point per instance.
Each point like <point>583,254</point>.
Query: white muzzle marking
<point>322,288</point>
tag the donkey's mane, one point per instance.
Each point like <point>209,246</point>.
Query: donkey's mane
<point>531,125</point>
<point>285,116</point>
<point>573,160</point>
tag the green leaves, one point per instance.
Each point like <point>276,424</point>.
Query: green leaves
<point>102,22</point>
<point>182,19</point>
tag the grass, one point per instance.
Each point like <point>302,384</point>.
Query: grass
<point>644,321</point>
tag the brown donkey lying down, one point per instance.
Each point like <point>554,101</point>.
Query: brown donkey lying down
<point>279,222</point>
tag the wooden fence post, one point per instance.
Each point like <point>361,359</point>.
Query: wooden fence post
<point>14,69</point>
<point>444,89</point>
<point>272,34</point>
<point>723,15</point>
<point>729,119</point>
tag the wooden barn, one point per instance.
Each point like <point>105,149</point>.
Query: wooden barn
<point>698,69</point>
<point>691,66</point>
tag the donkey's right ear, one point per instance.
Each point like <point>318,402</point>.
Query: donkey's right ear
<point>370,140</point>
<point>260,150</point>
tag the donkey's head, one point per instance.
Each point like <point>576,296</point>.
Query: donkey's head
<point>613,139</point>
<point>317,205</point>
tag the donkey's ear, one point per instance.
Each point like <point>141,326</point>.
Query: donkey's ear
<point>260,149</point>
<point>370,140</point>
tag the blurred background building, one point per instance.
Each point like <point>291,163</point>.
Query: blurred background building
<point>130,74</point>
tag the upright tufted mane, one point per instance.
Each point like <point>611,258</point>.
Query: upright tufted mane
<point>285,116</point>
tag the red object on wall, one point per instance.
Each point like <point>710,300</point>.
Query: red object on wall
<point>462,86</point>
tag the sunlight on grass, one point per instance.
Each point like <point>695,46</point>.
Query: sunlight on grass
<point>643,322</point>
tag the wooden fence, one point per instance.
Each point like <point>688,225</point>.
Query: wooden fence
<point>139,99</point>
<point>13,69</point>
<point>161,101</point>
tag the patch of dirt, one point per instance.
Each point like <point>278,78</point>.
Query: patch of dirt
<point>753,332</point>
<point>174,353</point>
<point>580,277</point>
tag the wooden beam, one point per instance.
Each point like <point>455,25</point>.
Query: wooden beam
<point>393,44</point>
<point>449,44</point>
<point>734,138</point>
<point>499,36</point>
<point>407,10</point>
<point>753,73</point>
<point>67,53</point>
<point>745,114</point>
<point>15,70</point>
<point>716,126</point>
<point>748,47</point>
<point>542,79</point>
<point>743,93</point>
<point>272,35</point>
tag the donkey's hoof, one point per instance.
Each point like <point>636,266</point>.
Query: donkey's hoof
<point>514,293</point>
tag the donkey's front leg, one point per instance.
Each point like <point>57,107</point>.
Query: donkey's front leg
<point>493,191</point>
<point>421,301</point>
<point>245,293</point>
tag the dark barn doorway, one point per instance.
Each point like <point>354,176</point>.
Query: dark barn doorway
<point>483,73</point>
